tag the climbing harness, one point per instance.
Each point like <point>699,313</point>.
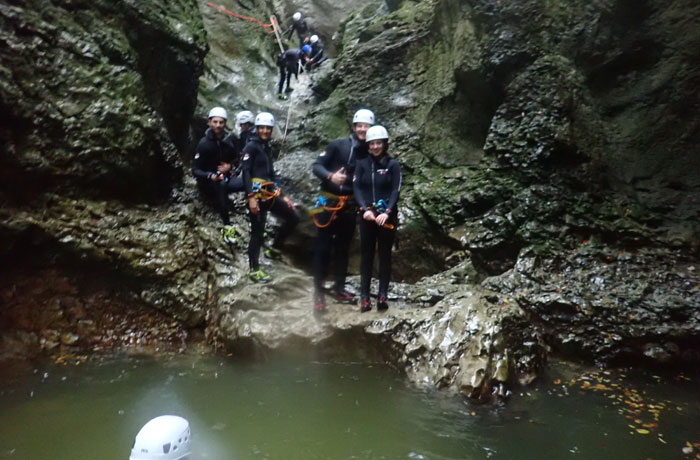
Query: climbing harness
<point>265,190</point>
<point>380,207</point>
<point>247,18</point>
<point>323,204</point>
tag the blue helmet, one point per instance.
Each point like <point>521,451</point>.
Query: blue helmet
<point>306,49</point>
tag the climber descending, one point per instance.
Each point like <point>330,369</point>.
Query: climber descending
<point>376,184</point>
<point>301,27</point>
<point>264,195</point>
<point>288,63</point>
<point>316,57</point>
<point>336,212</point>
<point>213,165</point>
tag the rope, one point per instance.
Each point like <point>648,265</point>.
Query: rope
<point>247,18</point>
<point>263,191</point>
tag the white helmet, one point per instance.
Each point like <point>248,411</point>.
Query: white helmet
<point>164,438</point>
<point>245,117</point>
<point>363,116</point>
<point>377,132</point>
<point>313,39</point>
<point>218,112</point>
<point>265,119</point>
<point>296,16</point>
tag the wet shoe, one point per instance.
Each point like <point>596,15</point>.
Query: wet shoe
<point>344,297</point>
<point>288,90</point>
<point>319,303</point>
<point>365,305</point>
<point>272,253</point>
<point>382,303</point>
<point>259,276</point>
<point>282,96</point>
<point>229,234</point>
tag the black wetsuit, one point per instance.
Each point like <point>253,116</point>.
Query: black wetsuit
<point>303,31</point>
<point>288,62</point>
<point>376,179</point>
<point>257,163</point>
<point>316,57</point>
<point>211,152</point>
<point>336,237</point>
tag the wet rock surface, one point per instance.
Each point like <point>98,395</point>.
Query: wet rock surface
<point>550,197</point>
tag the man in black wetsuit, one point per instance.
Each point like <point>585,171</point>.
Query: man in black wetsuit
<point>245,121</point>
<point>316,57</point>
<point>212,166</point>
<point>260,184</point>
<point>301,27</point>
<point>336,227</point>
<point>288,63</point>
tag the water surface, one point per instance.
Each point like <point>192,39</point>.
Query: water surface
<point>281,409</point>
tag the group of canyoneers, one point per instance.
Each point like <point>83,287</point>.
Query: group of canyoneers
<point>357,176</point>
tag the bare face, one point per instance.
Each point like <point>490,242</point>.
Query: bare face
<point>376,147</point>
<point>264,133</point>
<point>360,130</point>
<point>217,125</point>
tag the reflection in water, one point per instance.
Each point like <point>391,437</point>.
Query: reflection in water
<point>308,410</point>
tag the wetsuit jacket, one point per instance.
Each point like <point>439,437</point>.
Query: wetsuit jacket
<point>340,153</point>
<point>316,50</point>
<point>301,27</point>
<point>377,179</point>
<point>290,59</point>
<point>211,152</point>
<point>239,143</point>
<point>257,162</point>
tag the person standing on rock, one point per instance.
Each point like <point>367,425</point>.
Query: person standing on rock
<point>335,214</point>
<point>301,27</point>
<point>264,195</point>
<point>316,57</point>
<point>289,63</point>
<point>212,165</point>
<point>376,184</point>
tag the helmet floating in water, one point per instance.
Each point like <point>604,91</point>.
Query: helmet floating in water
<point>164,438</point>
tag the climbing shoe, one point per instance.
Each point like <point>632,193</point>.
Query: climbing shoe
<point>288,90</point>
<point>365,305</point>
<point>272,253</point>
<point>284,97</point>
<point>229,234</point>
<point>319,303</point>
<point>381,303</point>
<point>259,276</point>
<point>344,297</point>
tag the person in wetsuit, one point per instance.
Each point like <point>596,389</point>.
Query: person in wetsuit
<point>316,57</point>
<point>258,178</point>
<point>289,63</point>
<point>246,128</point>
<point>335,167</point>
<point>377,184</point>
<point>212,167</point>
<point>301,27</point>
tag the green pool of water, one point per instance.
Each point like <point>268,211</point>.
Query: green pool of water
<point>281,409</point>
